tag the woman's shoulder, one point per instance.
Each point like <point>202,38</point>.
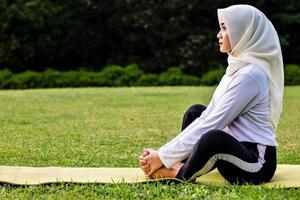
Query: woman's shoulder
<point>255,73</point>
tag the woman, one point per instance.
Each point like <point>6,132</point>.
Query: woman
<point>236,132</point>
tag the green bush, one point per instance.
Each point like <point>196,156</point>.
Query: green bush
<point>115,75</point>
<point>190,80</point>
<point>52,78</point>
<point>171,77</point>
<point>89,79</point>
<point>130,77</point>
<point>5,75</point>
<point>49,78</point>
<point>25,80</point>
<point>96,79</point>
<point>292,74</point>
<point>70,79</point>
<point>174,76</point>
<point>148,80</point>
<point>212,77</point>
<point>110,74</point>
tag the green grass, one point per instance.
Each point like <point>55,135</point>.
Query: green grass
<point>109,127</point>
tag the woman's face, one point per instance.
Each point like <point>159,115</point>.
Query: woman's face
<point>223,38</point>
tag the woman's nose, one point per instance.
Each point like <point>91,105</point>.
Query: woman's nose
<point>219,35</point>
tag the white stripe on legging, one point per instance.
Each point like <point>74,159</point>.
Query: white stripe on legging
<point>246,166</point>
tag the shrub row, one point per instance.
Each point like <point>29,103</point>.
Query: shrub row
<point>115,75</point>
<point>292,74</point>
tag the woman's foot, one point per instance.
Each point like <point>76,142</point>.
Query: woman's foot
<point>163,172</point>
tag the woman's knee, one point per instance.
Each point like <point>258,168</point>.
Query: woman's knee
<point>192,113</point>
<point>196,108</point>
<point>212,138</point>
<point>213,135</point>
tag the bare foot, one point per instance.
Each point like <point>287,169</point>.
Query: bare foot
<point>163,172</point>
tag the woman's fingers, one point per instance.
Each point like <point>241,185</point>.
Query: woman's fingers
<point>147,151</point>
<point>146,169</point>
<point>141,157</point>
<point>145,154</point>
<point>151,171</point>
<point>143,162</point>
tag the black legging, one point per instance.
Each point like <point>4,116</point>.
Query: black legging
<point>238,162</point>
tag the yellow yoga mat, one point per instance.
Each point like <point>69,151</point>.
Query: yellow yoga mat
<point>285,176</point>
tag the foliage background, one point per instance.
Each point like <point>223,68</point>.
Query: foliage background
<point>154,34</point>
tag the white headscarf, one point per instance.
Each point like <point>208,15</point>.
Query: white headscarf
<point>254,40</point>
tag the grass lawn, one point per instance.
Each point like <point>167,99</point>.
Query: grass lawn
<point>109,127</point>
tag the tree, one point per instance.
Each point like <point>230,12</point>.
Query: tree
<point>154,34</point>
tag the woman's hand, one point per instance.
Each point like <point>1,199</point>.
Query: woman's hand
<point>150,161</point>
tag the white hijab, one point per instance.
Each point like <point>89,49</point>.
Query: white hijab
<point>254,40</point>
